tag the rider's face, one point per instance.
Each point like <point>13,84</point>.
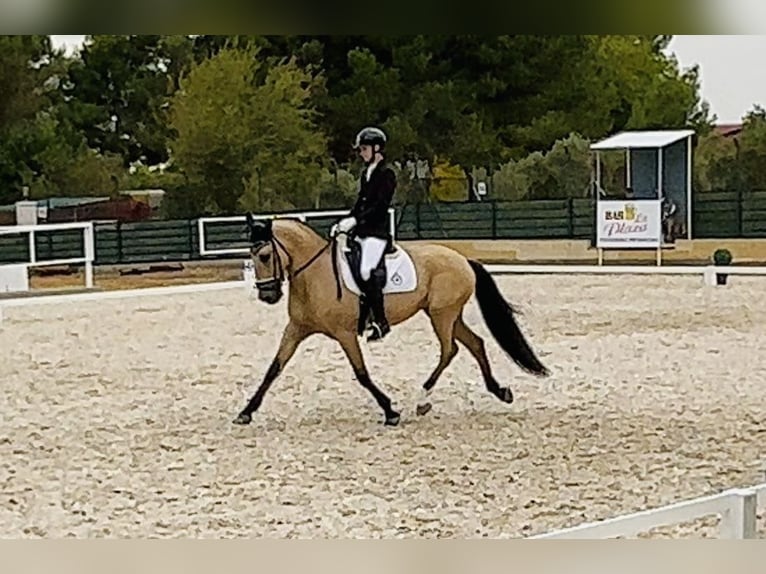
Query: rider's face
<point>365,151</point>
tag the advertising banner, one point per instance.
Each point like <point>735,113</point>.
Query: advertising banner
<point>626,224</point>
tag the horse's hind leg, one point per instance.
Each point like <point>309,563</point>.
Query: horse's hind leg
<point>443,322</point>
<point>475,345</point>
<point>350,345</point>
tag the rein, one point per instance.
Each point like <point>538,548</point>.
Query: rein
<point>294,274</point>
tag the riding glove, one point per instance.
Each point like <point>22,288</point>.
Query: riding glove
<point>347,224</point>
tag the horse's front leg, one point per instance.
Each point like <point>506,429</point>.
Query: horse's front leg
<point>292,336</point>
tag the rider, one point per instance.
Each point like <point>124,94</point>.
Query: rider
<point>369,220</point>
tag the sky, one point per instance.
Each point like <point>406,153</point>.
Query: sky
<point>732,79</point>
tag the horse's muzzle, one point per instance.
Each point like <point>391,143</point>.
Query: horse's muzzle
<point>270,291</point>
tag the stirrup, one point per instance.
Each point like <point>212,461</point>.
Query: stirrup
<point>378,331</point>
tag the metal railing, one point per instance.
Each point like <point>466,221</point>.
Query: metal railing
<point>89,248</point>
<point>737,508</point>
<point>303,216</point>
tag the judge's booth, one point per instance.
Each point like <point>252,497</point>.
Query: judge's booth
<point>658,184</point>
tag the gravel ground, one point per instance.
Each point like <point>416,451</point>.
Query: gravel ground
<point>115,417</point>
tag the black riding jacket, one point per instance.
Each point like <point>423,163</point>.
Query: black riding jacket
<point>375,197</point>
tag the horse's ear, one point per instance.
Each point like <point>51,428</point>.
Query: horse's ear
<point>260,230</point>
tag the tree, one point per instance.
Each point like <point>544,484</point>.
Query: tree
<point>749,163</point>
<point>481,100</point>
<point>562,171</point>
<point>246,133</point>
<point>117,93</point>
<point>39,149</point>
<point>715,163</point>
<point>641,86</point>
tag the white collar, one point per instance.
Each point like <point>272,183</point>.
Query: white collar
<point>370,169</point>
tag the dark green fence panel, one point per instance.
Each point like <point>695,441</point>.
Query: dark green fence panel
<point>59,244</point>
<point>722,214</point>
<point>464,220</point>
<point>407,222</point>
<point>717,214</point>
<point>14,248</point>
<point>225,235</point>
<point>108,243</point>
<point>754,214</point>
<point>156,241</point>
<point>233,234</point>
<point>533,219</point>
<point>583,218</point>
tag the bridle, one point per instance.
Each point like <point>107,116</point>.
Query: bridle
<point>278,268</point>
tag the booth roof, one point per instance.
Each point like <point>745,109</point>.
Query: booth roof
<point>641,139</point>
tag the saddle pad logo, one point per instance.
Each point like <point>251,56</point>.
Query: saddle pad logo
<point>396,279</point>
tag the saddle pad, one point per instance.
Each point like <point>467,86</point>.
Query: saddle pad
<point>401,276</point>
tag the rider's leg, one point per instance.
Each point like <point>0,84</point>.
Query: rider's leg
<point>374,278</point>
<point>372,251</point>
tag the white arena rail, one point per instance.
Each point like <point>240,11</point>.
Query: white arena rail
<point>708,272</point>
<point>737,508</point>
<point>502,269</point>
<point>303,216</point>
<point>89,248</point>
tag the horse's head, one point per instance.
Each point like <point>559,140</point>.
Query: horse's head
<point>268,266</point>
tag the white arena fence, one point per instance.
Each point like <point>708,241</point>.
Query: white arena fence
<point>708,272</point>
<point>8,272</point>
<point>737,507</point>
<point>202,222</point>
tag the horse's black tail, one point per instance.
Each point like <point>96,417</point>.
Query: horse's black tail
<point>499,316</point>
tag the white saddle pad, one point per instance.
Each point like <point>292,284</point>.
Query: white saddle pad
<point>401,275</point>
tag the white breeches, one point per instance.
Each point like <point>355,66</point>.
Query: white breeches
<point>372,251</point>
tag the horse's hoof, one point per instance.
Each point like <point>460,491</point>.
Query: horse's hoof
<point>505,395</point>
<point>423,409</point>
<point>243,419</point>
<point>392,419</point>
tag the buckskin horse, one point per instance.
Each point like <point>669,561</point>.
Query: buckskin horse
<point>433,278</point>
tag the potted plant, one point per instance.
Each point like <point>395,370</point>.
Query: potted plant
<point>722,257</point>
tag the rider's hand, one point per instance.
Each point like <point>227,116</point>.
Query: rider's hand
<point>347,224</point>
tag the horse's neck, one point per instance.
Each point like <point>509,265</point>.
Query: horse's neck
<point>302,244</point>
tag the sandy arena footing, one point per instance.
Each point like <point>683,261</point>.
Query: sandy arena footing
<point>115,417</point>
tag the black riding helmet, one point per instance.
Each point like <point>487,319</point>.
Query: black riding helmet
<point>371,136</point>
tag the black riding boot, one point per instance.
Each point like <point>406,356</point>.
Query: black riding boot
<point>374,292</point>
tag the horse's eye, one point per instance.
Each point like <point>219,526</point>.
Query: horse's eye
<point>264,257</point>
